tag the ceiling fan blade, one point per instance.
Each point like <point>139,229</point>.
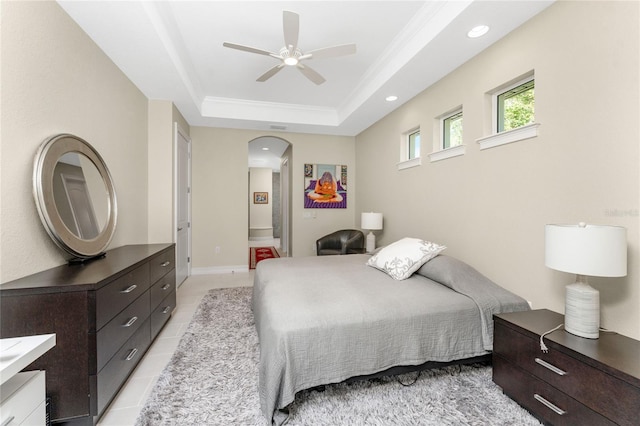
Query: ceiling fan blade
<point>273,71</point>
<point>330,52</point>
<point>291,28</point>
<point>249,49</point>
<point>311,74</point>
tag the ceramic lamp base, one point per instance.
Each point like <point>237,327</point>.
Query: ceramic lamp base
<point>582,310</point>
<point>371,242</point>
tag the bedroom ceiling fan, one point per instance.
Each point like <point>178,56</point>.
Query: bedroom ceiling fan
<point>291,55</point>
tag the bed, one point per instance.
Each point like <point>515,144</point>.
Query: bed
<point>323,320</point>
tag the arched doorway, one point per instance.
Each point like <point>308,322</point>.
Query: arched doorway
<point>269,194</point>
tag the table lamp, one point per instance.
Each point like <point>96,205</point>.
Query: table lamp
<point>599,251</point>
<point>372,222</point>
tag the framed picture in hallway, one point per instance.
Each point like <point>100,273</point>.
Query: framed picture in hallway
<point>260,198</point>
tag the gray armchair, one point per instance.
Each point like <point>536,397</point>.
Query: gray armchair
<point>345,241</point>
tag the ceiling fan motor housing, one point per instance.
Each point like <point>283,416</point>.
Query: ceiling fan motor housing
<point>288,57</point>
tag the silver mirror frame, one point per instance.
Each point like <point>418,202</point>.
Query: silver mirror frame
<point>45,162</point>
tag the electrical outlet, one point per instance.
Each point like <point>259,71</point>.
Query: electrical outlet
<point>217,249</point>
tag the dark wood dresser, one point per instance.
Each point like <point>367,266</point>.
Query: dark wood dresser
<point>105,314</point>
<point>578,382</point>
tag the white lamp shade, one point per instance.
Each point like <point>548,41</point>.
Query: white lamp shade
<point>592,250</point>
<point>371,221</point>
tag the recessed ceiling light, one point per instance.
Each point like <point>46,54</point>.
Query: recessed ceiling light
<point>478,31</point>
<point>391,98</point>
<point>265,149</point>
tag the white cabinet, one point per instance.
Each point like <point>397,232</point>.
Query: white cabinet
<point>22,395</point>
<point>23,400</point>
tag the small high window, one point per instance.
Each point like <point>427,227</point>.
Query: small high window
<point>512,112</point>
<point>515,106</point>
<point>410,149</point>
<point>413,145</point>
<point>452,130</point>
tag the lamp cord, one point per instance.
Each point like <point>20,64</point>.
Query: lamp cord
<point>412,382</point>
<point>544,347</point>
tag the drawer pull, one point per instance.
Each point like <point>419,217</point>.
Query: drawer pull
<point>130,322</point>
<point>549,405</point>
<point>166,310</point>
<point>129,289</point>
<point>165,264</point>
<point>551,367</point>
<point>166,286</point>
<point>133,353</point>
<point>9,420</point>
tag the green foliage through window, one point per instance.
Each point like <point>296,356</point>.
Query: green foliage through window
<point>516,107</point>
<point>452,128</point>
<point>414,144</point>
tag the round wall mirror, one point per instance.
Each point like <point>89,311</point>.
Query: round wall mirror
<point>74,195</point>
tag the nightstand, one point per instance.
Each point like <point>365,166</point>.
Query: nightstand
<point>22,395</point>
<point>578,382</point>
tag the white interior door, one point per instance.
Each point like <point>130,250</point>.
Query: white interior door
<point>284,206</point>
<point>84,218</point>
<point>182,204</point>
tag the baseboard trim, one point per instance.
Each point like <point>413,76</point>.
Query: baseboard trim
<point>211,270</point>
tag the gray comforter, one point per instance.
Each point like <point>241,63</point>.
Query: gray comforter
<point>325,319</point>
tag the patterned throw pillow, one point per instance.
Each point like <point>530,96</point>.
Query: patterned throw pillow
<point>402,258</point>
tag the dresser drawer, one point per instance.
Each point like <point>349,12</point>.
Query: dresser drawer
<point>113,375</point>
<point>602,392</point>
<point>162,264</point>
<point>121,328</point>
<point>161,289</point>
<point>540,398</point>
<point>115,296</point>
<point>21,396</point>
<point>162,313</point>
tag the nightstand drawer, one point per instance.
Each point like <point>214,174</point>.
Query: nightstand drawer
<point>22,398</point>
<point>602,392</point>
<point>544,401</point>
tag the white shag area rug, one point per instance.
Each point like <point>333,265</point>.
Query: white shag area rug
<point>212,379</point>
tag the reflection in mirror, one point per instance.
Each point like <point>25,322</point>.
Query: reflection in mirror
<point>80,195</point>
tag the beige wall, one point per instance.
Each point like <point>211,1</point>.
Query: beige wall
<point>55,80</point>
<point>162,118</point>
<point>220,184</point>
<point>160,163</point>
<point>490,207</point>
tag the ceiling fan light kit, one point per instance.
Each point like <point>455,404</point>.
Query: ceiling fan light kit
<point>291,55</point>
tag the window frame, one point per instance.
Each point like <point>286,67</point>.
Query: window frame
<point>406,161</point>
<point>439,151</point>
<point>497,105</point>
<point>415,152</point>
<point>443,129</point>
<point>508,136</point>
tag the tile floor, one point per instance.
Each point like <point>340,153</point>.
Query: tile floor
<point>126,406</point>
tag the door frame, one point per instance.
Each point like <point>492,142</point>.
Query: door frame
<point>178,131</point>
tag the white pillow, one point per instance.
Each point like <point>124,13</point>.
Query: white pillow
<point>402,258</point>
